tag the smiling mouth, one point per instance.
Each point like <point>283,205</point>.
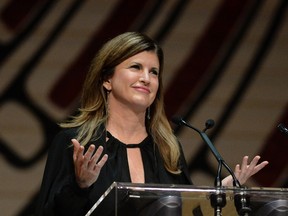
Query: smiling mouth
<point>141,89</point>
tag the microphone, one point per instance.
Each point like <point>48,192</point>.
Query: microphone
<point>209,124</point>
<point>283,128</point>
<point>218,200</point>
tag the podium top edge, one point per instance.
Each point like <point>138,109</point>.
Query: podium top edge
<point>194,188</point>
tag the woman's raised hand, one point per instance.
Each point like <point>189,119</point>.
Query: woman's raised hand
<point>87,165</point>
<point>245,171</point>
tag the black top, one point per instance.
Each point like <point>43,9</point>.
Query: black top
<point>60,194</point>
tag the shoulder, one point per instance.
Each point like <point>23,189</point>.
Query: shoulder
<point>62,139</point>
<point>68,133</point>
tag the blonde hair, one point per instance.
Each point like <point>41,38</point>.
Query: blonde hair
<point>93,110</point>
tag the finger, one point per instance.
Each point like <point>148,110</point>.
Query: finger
<point>96,156</point>
<point>252,166</point>
<point>101,163</point>
<point>254,161</point>
<point>88,155</point>
<point>244,163</point>
<point>237,170</point>
<point>75,148</point>
<point>77,151</point>
<point>260,166</point>
<point>244,172</point>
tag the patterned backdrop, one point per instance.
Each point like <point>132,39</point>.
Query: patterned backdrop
<point>224,59</point>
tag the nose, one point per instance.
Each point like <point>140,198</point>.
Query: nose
<point>145,78</point>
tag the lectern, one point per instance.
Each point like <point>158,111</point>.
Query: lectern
<point>131,199</point>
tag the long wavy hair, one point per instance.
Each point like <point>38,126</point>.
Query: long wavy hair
<point>93,110</point>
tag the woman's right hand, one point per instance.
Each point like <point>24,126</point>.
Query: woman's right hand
<point>87,165</point>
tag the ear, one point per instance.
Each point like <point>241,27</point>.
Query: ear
<point>107,85</point>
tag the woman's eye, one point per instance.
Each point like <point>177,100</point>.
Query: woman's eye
<point>135,67</point>
<point>155,72</point>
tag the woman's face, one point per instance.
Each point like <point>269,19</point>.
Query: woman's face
<point>134,83</point>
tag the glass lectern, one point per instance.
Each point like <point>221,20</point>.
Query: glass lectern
<point>176,200</point>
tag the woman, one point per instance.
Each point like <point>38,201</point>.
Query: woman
<point>124,133</point>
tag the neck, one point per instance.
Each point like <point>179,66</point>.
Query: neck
<point>127,126</point>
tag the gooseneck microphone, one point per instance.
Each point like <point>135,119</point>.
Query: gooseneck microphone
<point>283,128</point>
<point>209,124</point>
<point>218,199</point>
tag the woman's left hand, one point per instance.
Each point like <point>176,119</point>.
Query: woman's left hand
<point>245,171</point>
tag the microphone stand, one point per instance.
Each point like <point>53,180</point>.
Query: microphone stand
<point>218,199</point>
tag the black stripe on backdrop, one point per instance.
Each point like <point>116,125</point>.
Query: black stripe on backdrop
<point>8,48</point>
<point>197,64</point>
<point>219,70</point>
<point>171,20</point>
<point>199,162</point>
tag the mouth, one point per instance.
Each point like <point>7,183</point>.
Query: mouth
<point>142,89</point>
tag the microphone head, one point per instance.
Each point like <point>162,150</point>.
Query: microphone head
<point>180,121</point>
<point>177,120</point>
<point>283,128</point>
<point>209,123</point>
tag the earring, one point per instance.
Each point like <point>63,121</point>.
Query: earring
<point>148,113</point>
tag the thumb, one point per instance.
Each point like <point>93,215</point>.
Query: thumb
<point>76,146</point>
